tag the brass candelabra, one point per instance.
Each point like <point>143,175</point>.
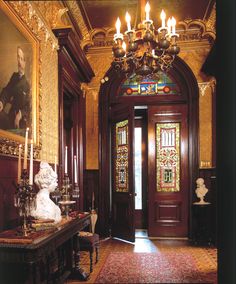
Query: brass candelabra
<point>66,202</point>
<point>25,201</point>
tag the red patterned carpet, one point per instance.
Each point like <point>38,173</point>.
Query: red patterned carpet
<point>168,267</point>
<point>151,261</point>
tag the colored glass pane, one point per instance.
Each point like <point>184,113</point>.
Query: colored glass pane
<point>157,84</point>
<point>168,157</point>
<point>121,157</point>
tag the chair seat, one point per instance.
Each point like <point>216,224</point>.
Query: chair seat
<point>89,242</point>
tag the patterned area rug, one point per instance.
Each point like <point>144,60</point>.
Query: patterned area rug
<point>167,267</point>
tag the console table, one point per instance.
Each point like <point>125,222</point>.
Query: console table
<point>47,259</point>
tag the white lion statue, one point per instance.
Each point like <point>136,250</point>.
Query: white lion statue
<point>46,180</point>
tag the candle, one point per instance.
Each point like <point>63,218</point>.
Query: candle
<point>128,19</point>
<point>75,169</point>
<point>118,25</point>
<point>173,25</point>
<point>66,160</point>
<point>31,163</point>
<point>55,165</point>
<point>169,24</point>
<point>19,164</point>
<point>26,149</point>
<point>163,17</point>
<point>147,11</point>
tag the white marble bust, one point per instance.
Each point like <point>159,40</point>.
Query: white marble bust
<point>46,180</point>
<point>201,191</point>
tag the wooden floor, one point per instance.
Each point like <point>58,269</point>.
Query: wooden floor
<point>205,257</point>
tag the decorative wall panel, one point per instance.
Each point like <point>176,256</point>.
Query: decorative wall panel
<point>167,157</point>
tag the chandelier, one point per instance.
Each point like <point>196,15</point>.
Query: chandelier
<point>146,50</point>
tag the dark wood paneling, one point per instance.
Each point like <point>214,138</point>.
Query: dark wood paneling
<point>91,183</point>
<point>8,178</point>
<point>168,212</point>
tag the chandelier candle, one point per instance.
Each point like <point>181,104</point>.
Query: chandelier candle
<point>163,18</point>
<point>128,19</point>
<point>147,11</point>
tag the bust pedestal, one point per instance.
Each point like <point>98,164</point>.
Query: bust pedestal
<point>202,231</point>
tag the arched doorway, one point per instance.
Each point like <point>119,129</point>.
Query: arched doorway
<point>173,113</point>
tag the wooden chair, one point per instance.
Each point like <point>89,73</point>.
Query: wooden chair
<point>89,242</point>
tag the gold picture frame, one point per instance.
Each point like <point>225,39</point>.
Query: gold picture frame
<point>18,44</point>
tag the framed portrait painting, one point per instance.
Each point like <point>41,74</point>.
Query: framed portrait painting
<point>19,50</point>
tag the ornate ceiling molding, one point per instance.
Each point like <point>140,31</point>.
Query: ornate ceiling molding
<point>195,30</point>
<point>75,11</point>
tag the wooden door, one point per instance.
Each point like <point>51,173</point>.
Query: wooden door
<point>168,171</point>
<point>122,132</point>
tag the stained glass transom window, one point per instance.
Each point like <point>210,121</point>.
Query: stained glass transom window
<point>121,157</point>
<point>168,157</point>
<point>158,84</point>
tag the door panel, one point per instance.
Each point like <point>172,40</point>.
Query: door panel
<point>122,133</point>
<point>168,171</point>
